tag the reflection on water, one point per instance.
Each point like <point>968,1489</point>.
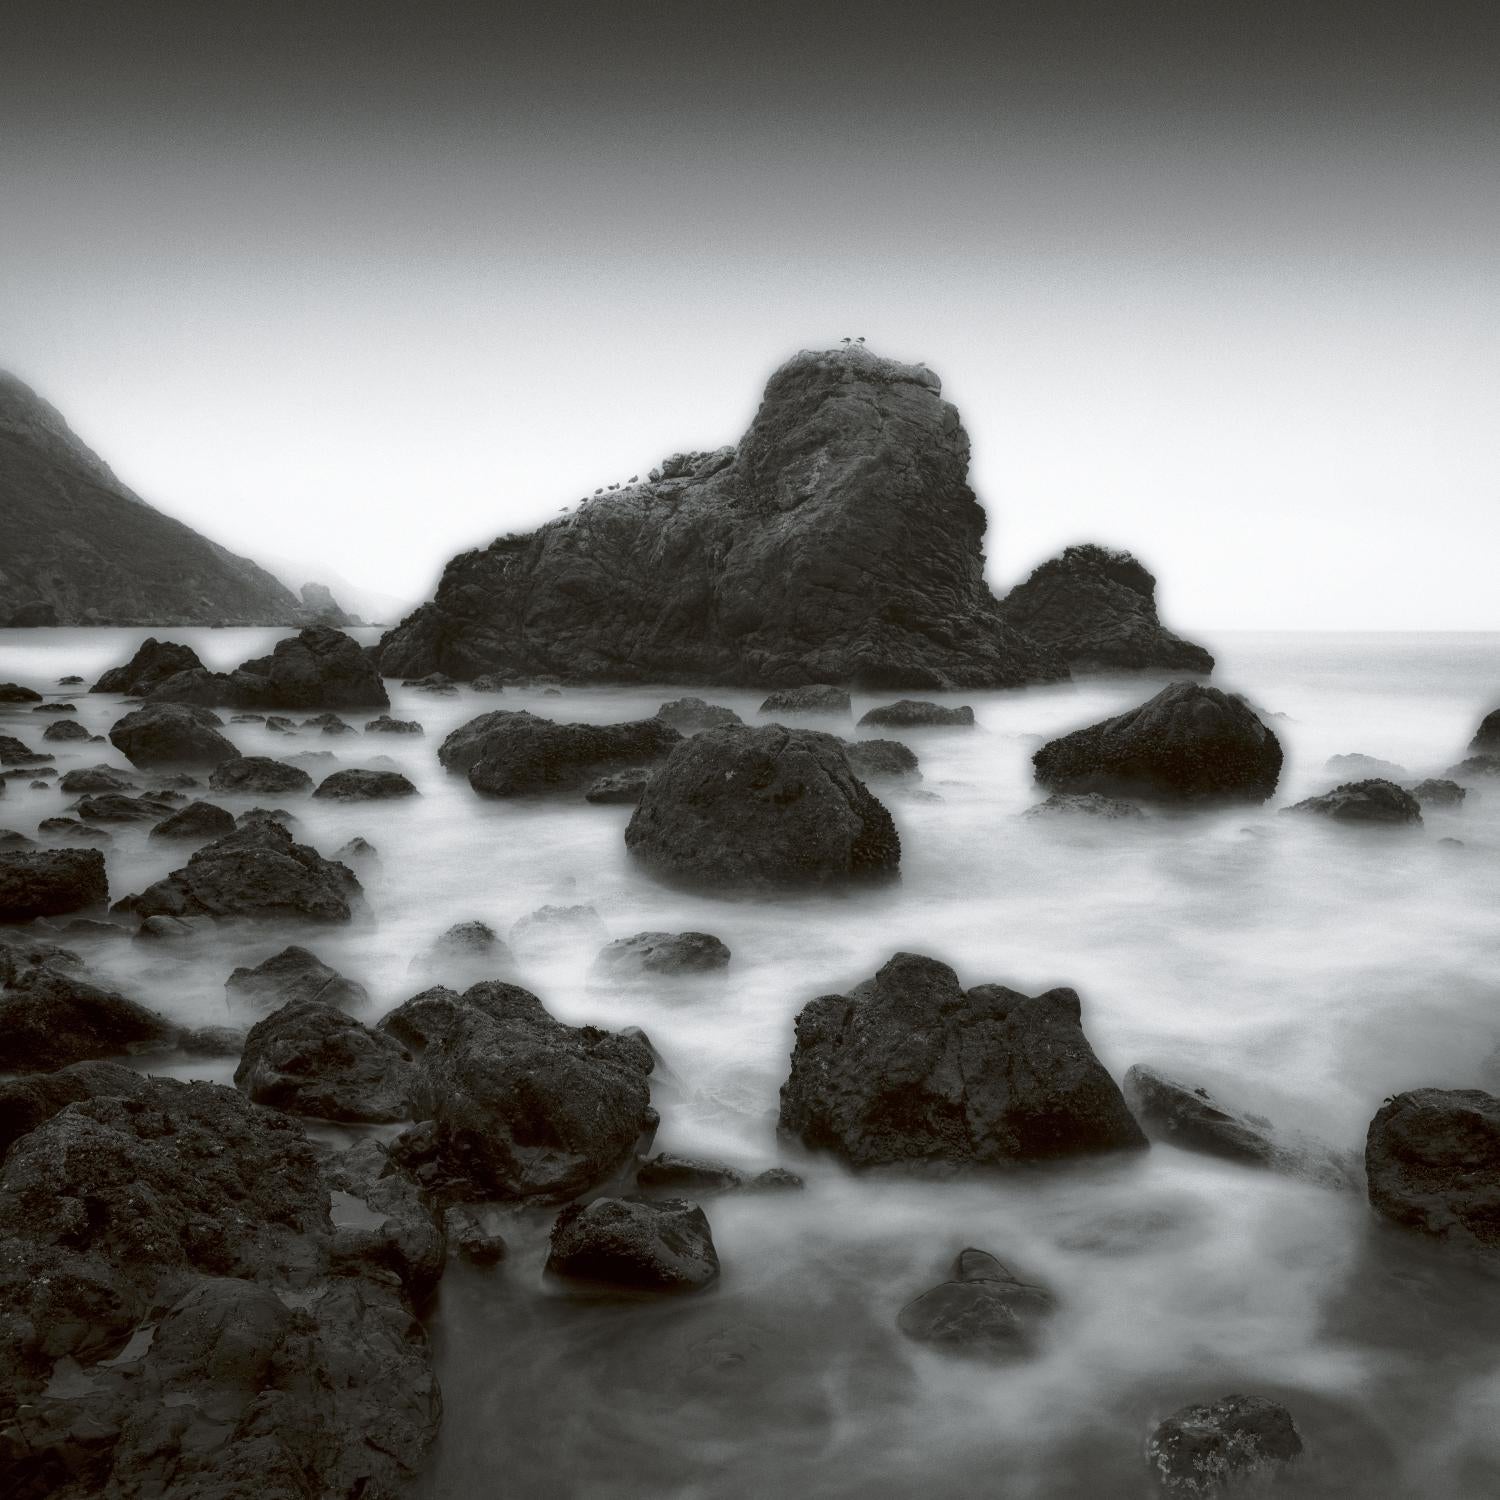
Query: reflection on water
<point>1300,970</point>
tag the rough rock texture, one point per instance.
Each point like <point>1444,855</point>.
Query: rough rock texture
<point>1096,609</point>
<point>385,724</point>
<point>78,548</point>
<point>543,932</point>
<point>111,807</point>
<point>308,1058</point>
<point>28,1102</point>
<point>762,806</point>
<point>1487,736</point>
<point>317,668</point>
<point>982,1308</point>
<point>913,713</point>
<point>171,734</point>
<point>663,1246</point>
<point>50,1017</point>
<point>153,662</point>
<point>14,752</point>
<point>50,883</point>
<point>510,754</point>
<point>68,729</point>
<point>650,955</point>
<point>99,778</point>
<point>619,788</point>
<point>364,786</point>
<point>839,542</point>
<point>1437,792</point>
<point>1085,805</point>
<point>689,715</point>
<point>1222,1446</point>
<point>1432,1161</point>
<point>328,724</point>
<point>290,977</point>
<point>814,698</point>
<point>198,820</point>
<point>1363,802</point>
<point>521,1105</point>
<point>258,774</point>
<point>876,759</point>
<point>257,871</point>
<point>910,1068</point>
<point>1187,744</point>
<point>1486,764</point>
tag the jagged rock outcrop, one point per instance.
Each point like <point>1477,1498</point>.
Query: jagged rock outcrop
<point>78,548</point>
<point>838,542</point>
<point>319,607</point>
<point>1096,609</point>
<point>153,663</point>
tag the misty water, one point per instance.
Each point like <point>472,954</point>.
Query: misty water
<point>1301,970</point>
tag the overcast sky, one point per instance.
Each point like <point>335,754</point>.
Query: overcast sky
<point>367,285</point>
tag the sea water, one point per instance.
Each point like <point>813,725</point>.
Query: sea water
<point>1298,969</point>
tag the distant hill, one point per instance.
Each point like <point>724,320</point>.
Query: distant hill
<point>78,548</point>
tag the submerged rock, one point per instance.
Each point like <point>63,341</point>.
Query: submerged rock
<point>815,698</point>
<point>1096,608</point>
<point>1084,805</point>
<point>258,774</point>
<point>50,883</point>
<point>909,1068</point>
<point>170,734</point>
<point>881,759</point>
<point>540,933</point>
<point>1222,1446</point>
<point>328,724</point>
<point>762,806</point>
<point>50,1017</point>
<point>198,820</point>
<point>1487,736</point>
<point>1436,792</point>
<point>99,778</point>
<point>651,955</point>
<point>981,1309</point>
<point>364,786</point>
<point>71,831</point>
<point>293,976</point>
<point>689,715</point>
<point>1484,765</point>
<point>385,724</point>
<point>153,663</point>
<point>68,730</point>
<point>634,1245</point>
<point>1187,744</point>
<point>912,713</point>
<point>1363,802</point>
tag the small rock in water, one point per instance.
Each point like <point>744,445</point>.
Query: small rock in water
<point>55,708</point>
<point>1377,801</point>
<point>1083,804</point>
<point>113,807</point>
<point>634,1245</point>
<point>385,724</point>
<point>667,1172</point>
<point>689,715</point>
<point>650,955</point>
<point>1437,792</point>
<point>358,851</point>
<point>280,724</point>
<point>365,786</point>
<point>913,713</point>
<point>68,729</point>
<point>465,1227</point>
<point>198,820</point>
<point>259,774</point>
<point>161,929</point>
<point>329,724</point>
<point>882,759</point>
<point>50,883</point>
<point>1214,1448</point>
<point>818,698</point>
<point>72,831</point>
<point>14,752</point>
<point>13,692</point>
<point>212,1041</point>
<point>981,1309</point>
<point>550,928</point>
<point>291,976</point>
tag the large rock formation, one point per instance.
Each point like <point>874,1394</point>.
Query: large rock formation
<point>838,542</point>
<point>1097,610</point>
<point>50,883</point>
<point>78,548</point>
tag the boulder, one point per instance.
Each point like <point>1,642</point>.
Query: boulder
<point>1096,609</point>
<point>1381,802</point>
<point>259,774</point>
<point>1476,766</point>
<point>909,1068</point>
<point>99,778</point>
<point>292,976</point>
<point>55,708</point>
<point>672,1175</point>
<point>113,807</point>
<point>465,952</point>
<point>814,698</point>
<point>364,786</point>
<point>50,883</point>
<point>516,754</point>
<point>874,760</point>
<point>1436,792</point>
<point>634,1245</point>
<point>328,724</point>
<point>71,831</point>
<point>1487,737</point>
<point>197,687</point>
<point>308,1058</point>
<point>51,1017</point>
<point>26,1103</point>
<point>170,734</point>
<point>198,820</point>
<point>654,955</point>
<point>1432,1161</point>
<point>317,668</point>
<point>280,724</point>
<point>1237,1443</point>
<point>153,662</point>
<point>488,682</point>
<point>358,851</point>
<point>913,713</point>
<point>521,1105</point>
<point>689,715</point>
<point>14,692</point>
<point>1084,805</point>
<point>1187,744</point>
<point>469,1234</point>
<point>982,1309</point>
<point>257,871</point>
<point>385,724</point>
<point>14,752</point>
<point>67,730</point>
<point>620,788</point>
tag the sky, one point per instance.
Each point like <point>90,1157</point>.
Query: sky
<point>363,285</point>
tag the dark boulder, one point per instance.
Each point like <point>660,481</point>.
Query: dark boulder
<point>14,752</point>
<point>385,724</point>
<point>198,820</point>
<point>1487,736</point>
<point>14,692</point>
<point>26,1103</point>
<point>1085,805</point>
<point>50,883</point>
<point>1436,792</point>
<point>257,871</point>
<point>1096,608</point>
<point>113,807</point>
<point>99,778</point>
<point>912,713</point>
<point>515,754</point>
<point>620,788</point>
<point>1476,766</point>
<point>672,1175</point>
<point>910,1068</point>
<point>737,807</point>
<point>71,831</point>
<point>1432,1161</point>
<point>981,1309</point>
<point>308,1058</point>
<point>328,724</point>
<point>55,708</point>
<point>1381,802</point>
<point>655,955</point>
<point>1187,744</point>
<point>51,1017</point>
<point>876,760</point>
<point>197,687</point>
<point>65,730</point>
<point>634,1245</point>
<point>293,976</point>
<point>170,734</point>
<point>470,1235</point>
<point>318,668</point>
<point>153,662</point>
<point>689,715</point>
<point>814,698</point>
<point>258,774</point>
<point>280,724</point>
<point>364,786</point>
<point>1234,1443</point>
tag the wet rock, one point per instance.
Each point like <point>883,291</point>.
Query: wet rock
<point>1475,767</point>
<point>1365,767</point>
<point>358,852</point>
<point>328,724</point>
<point>257,871</point>
<point>159,929</point>
<point>385,724</point>
<point>982,1309</point>
<point>50,883</point>
<point>874,760</point>
<point>466,950</point>
<point>278,815</point>
<point>51,1017</point>
<point>1083,804</point>
<point>71,831</point>
<point>666,1172</point>
<point>308,1058</point>
<point>198,820</point>
<point>909,1068</point>
<point>762,807</point>
<point>67,731</point>
<point>488,682</point>
<point>171,733</point>
<point>211,1041</point>
<point>26,1103</point>
<point>260,775</point>
<point>1187,744</point>
<point>620,788</point>
<point>1363,802</point>
<point>1096,609</point>
<point>318,668</point>
<point>1487,736</point>
<point>96,779</point>
<point>689,715</point>
<point>11,839</point>
<point>280,724</point>
<point>14,692</point>
<point>516,754</point>
<point>911,713</point>
<point>113,807</point>
<point>471,1237</point>
<point>521,1105</point>
<point>438,683</point>
<point>55,708</point>
<point>292,976</point>
<point>816,698</point>
<point>1432,1161</point>
<point>634,1245</point>
<point>383,1224</point>
<point>651,955</point>
<point>14,752</point>
<point>153,663</point>
<point>1224,1446</point>
<point>364,786</point>
<point>549,929</point>
<point>1435,792</point>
